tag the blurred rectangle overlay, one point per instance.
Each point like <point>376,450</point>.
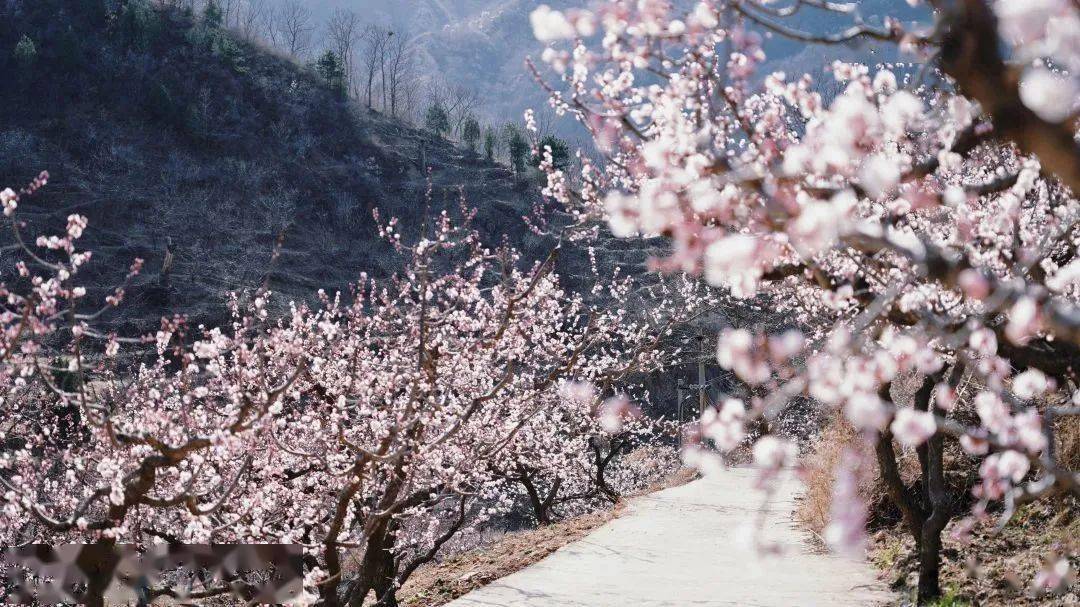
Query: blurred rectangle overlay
<point>104,573</point>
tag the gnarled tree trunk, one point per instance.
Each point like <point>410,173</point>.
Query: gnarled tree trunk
<point>927,506</point>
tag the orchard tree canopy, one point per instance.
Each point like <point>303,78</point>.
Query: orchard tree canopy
<point>461,383</point>
<point>922,223</point>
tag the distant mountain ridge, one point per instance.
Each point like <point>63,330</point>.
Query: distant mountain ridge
<point>483,43</point>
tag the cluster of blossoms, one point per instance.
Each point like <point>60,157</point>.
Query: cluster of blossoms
<point>911,231</point>
<point>377,425</point>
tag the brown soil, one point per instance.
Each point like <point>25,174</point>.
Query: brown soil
<point>995,568</point>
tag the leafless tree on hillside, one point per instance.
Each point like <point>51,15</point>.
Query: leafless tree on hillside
<point>409,99</point>
<point>343,33</point>
<point>376,43</point>
<point>268,25</point>
<point>401,69</point>
<point>545,118</point>
<point>293,24</point>
<point>459,100</point>
<point>230,9</point>
<point>251,19</point>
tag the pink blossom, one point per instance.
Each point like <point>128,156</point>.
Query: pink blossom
<point>614,413</point>
<point>992,411</point>
<point>866,412</point>
<point>961,531</point>
<point>1029,431</point>
<point>579,392</point>
<point>974,284</point>
<point>983,342</point>
<point>1030,384</point>
<point>1011,465</point>
<point>771,452</point>
<point>1057,573</point>
<point>913,428</point>
<point>9,200</point>
<point>974,445</point>
<point>549,25</point>
<point>725,427</point>
<point>879,175</point>
<point>846,531</point>
<point>1024,321</point>
<point>736,350</point>
<point>945,397</point>
<point>1051,96</point>
<point>735,262</point>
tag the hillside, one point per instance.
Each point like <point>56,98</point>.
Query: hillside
<point>218,146</point>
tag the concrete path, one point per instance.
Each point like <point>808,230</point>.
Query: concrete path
<point>691,546</point>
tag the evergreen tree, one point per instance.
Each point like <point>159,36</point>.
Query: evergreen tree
<point>470,133</point>
<point>518,147</point>
<point>437,120</point>
<point>332,70</point>
<point>489,143</point>
<point>560,152</point>
<point>212,15</point>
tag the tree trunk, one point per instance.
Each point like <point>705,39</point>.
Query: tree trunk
<point>929,565</point>
<point>927,507</point>
<point>936,497</point>
<point>616,445</point>
<point>98,562</point>
<point>377,570</point>
<point>541,505</point>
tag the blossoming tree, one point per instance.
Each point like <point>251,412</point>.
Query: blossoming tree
<point>371,426</point>
<point>919,224</point>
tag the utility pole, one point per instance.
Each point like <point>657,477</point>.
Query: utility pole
<point>679,401</point>
<point>701,375</point>
<point>679,404</point>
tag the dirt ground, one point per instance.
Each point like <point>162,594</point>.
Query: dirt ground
<point>995,568</point>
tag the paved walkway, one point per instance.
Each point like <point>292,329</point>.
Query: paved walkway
<point>691,546</point>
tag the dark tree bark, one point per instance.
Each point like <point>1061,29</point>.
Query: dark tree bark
<point>927,507</point>
<point>971,54</point>
<point>542,505</point>
<point>616,446</point>
<point>98,563</point>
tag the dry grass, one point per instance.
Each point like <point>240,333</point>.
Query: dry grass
<point>819,474</point>
<point>996,568</point>
<point>1067,442</point>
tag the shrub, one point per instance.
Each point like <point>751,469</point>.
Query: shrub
<point>1067,439</point>
<point>437,120</point>
<point>517,146</point>
<point>139,24</point>
<point>163,105</point>
<point>332,70</point>
<point>212,15</point>
<point>560,152</point>
<point>489,143</point>
<point>470,133</point>
<point>820,466</point>
<point>25,52</point>
<point>225,48</point>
